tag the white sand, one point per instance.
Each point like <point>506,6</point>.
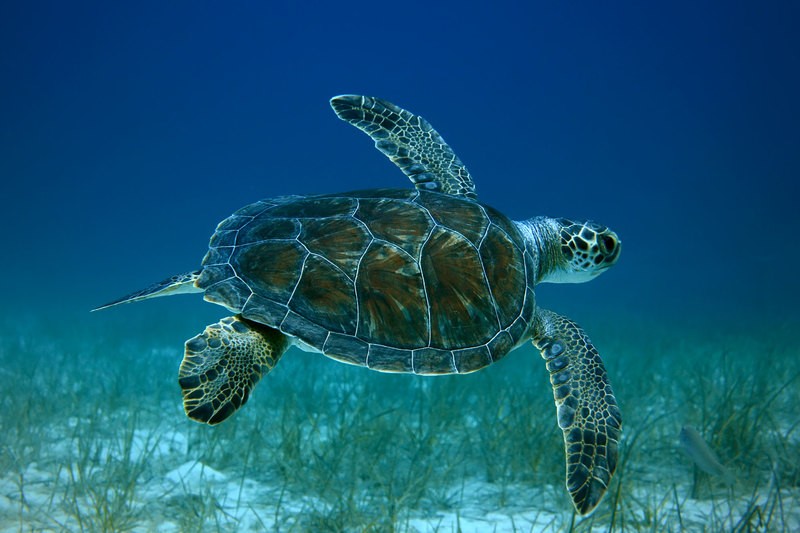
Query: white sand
<point>34,499</point>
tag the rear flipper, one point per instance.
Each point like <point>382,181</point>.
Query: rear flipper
<point>182,283</point>
<point>587,410</point>
<point>223,364</point>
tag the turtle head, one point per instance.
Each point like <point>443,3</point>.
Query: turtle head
<point>587,250</point>
<point>571,251</point>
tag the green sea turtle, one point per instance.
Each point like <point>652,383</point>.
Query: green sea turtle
<point>426,281</point>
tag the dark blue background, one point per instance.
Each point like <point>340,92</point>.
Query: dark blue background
<point>128,130</point>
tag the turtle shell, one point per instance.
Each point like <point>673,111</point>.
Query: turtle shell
<point>395,280</point>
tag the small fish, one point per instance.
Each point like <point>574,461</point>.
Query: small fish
<point>703,456</point>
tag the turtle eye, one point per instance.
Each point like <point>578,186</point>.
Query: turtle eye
<point>607,243</point>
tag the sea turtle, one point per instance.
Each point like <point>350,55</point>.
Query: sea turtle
<point>425,280</point>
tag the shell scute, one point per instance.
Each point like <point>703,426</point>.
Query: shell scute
<point>315,207</point>
<point>215,272</point>
<point>233,222</point>
<point>518,328</point>
<point>346,348</point>
<point>223,239</point>
<point>391,299</point>
<point>326,294</point>
<point>504,266</point>
<point>256,208</point>
<point>502,222</point>
<point>232,293</point>
<point>341,240</point>
<point>467,217</point>
<point>500,345</point>
<point>529,305</point>
<point>396,194</point>
<point>401,223</point>
<point>270,268</point>
<point>388,359</point>
<point>472,359</point>
<point>433,361</point>
<point>299,326</point>
<point>264,311</point>
<point>265,228</point>
<point>216,255</point>
<point>462,311</point>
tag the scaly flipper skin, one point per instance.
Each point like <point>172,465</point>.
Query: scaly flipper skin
<point>181,283</point>
<point>587,410</point>
<point>223,364</point>
<point>410,142</point>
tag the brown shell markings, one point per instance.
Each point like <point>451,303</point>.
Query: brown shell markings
<point>407,281</point>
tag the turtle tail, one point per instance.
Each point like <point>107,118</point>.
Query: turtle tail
<point>181,283</point>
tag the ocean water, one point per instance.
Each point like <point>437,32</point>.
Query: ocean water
<point>127,132</point>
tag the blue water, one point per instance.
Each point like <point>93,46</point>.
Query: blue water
<point>128,130</point>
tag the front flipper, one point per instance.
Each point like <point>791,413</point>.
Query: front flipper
<point>587,410</point>
<point>410,142</point>
<point>223,364</point>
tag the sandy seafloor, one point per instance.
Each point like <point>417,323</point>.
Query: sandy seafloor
<point>94,438</point>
